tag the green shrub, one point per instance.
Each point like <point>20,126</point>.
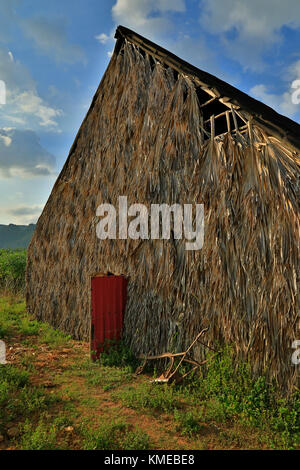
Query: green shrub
<point>135,440</point>
<point>33,399</point>
<point>229,391</point>
<point>52,337</point>
<point>29,327</point>
<point>14,376</point>
<point>12,269</point>
<point>40,437</point>
<point>258,400</point>
<point>187,422</point>
<point>11,316</point>
<point>118,354</point>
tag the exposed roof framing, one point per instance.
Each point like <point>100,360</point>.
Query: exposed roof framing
<point>251,109</point>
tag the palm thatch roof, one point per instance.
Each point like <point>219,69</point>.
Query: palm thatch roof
<point>161,131</point>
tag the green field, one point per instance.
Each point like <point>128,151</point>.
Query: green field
<point>53,397</point>
<point>12,270</point>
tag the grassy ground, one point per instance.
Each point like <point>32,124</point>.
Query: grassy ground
<point>53,397</point>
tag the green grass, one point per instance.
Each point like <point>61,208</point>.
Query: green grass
<point>12,314</point>
<point>188,422</point>
<point>226,392</point>
<point>14,319</point>
<point>146,396</point>
<point>52,337</point>
<point>113,436</point>
<point>225,396</point>
<point>43,435</point>
<point>14,376</point>
<point>229,392</point>
<point>18,397</point>
<point>105,377</point>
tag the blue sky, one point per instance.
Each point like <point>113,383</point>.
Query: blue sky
<point>53,55</point>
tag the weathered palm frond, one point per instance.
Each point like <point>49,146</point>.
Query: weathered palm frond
<point>144,138</point>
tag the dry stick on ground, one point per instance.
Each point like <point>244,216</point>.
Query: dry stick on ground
<point>169,375</point>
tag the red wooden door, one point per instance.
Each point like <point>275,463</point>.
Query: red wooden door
<point>108,307</point>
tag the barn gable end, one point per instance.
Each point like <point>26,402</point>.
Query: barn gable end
<point>160,131</point>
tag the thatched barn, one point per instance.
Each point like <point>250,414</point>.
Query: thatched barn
<point>158,131</point>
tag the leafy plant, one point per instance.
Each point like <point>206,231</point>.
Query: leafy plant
<point>52,337</point>
<point>187,422</point>
<point>119,354</point>
<point>40,437</point>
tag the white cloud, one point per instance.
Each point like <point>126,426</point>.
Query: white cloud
<point>153,19</point>
<point>28,103</point>
<point>103,38</point>
<point>23,105</point>
<point>294,71</point>
<point>21,155</point>
<point>146,16</point>
<point>255,18</point>
<point>26,210</point>
<point>281,103</point>
<point>286,102</point>
<point>150,18</point>
<point>23,215</point>
<point>254,25</point>
<point>6,140</point>
<point>142,8</point>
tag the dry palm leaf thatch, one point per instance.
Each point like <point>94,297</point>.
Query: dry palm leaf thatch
<point>144,137</point>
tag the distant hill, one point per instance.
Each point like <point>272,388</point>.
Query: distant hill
<point>15,236</point>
